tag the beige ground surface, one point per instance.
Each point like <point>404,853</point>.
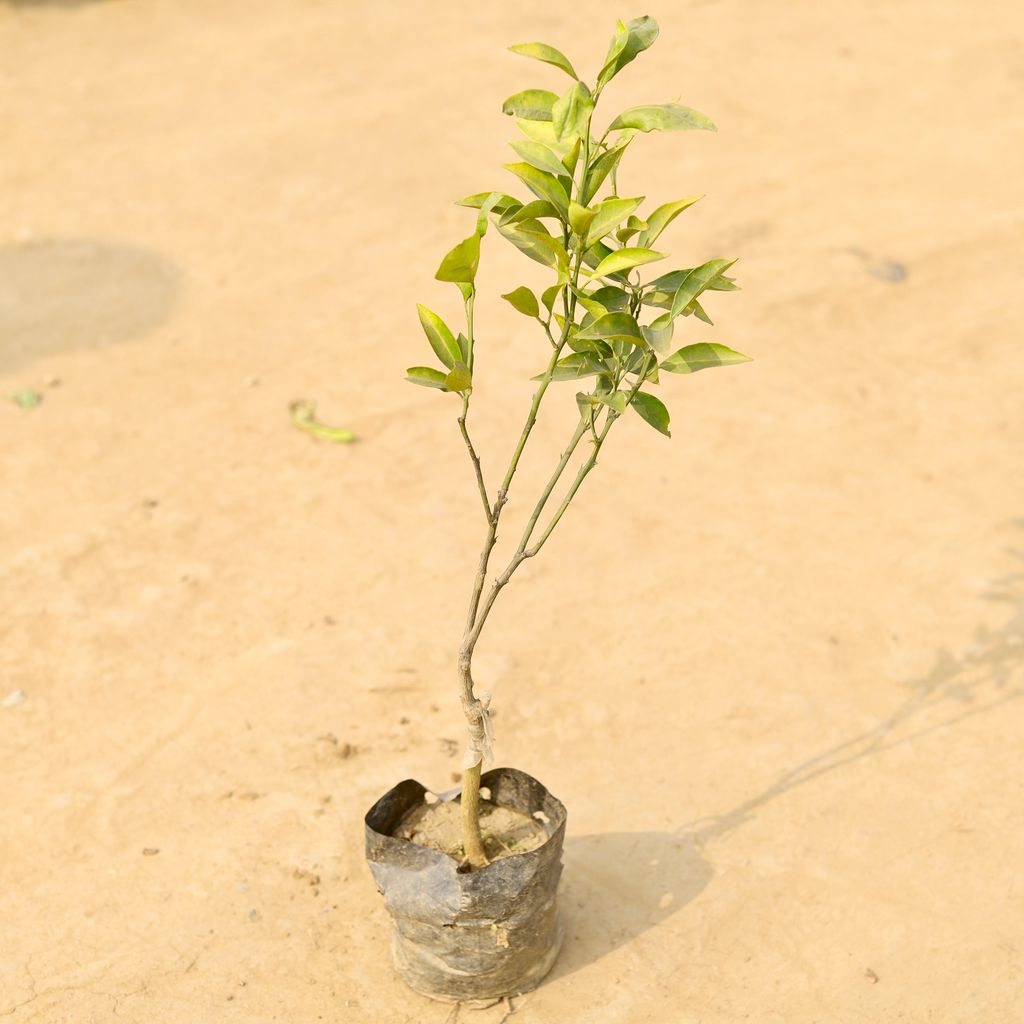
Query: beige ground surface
<point>770,666</point>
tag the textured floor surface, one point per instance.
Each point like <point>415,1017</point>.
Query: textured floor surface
<point>772,666</point>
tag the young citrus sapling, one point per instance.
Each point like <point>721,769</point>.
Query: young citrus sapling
<point>603,319</point>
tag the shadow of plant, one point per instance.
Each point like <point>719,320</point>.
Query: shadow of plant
<point>62,294</point>
<point>618,885</point>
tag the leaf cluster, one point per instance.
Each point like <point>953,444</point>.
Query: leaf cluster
<point>606,321</point>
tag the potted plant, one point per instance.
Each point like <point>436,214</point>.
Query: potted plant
<point>470,877</point>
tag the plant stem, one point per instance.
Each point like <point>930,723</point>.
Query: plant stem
<point>472,841</point>
<point>538,396</point>
<point>474,458</point>
<point>474,709</point>
<point>587,466</point>
<point>590,463</point>
<point>522,552</point>
<point>581,429</point>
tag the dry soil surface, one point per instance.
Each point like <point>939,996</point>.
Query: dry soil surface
<point>505,832</point>
<point>772,666</point>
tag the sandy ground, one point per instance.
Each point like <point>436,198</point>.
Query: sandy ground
<point>771,666</point>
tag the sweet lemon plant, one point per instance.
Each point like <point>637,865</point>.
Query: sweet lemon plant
<point>602,322</point>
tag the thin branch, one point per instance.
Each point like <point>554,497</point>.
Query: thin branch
<point>580,477</point>
<point>581,429</point>
<point>481,572</point>
<point>475,459</point>
<point>470,299</point>
<point>521,552</point>
<point>496,587</point>
<point>531,418</point>
<point>471,633</point>
<point>590,463</point>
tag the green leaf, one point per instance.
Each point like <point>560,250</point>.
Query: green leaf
<point>482,220</point>
<point>427,376</point>
<point>532,240</point>
<point>530,105</point>
<point>609,213</point>
<point>523,300</point>
<point>634,359</point>
<point>547,54</point>
<point>585,403</point>
<point>625,259</point>
<point>596,252</point>
<point>544,133</point>
<point>441,339</point>
<point>571,114</point>
<point>27,398</point>
<point>303,414</point>
<point>658,333</point>
<point>628,353</point>
<point>549,295</point>
<point>723,284</point>
<point>613,327</point>
<point>600,349</point>
<point>579,364</point>
<point>478,199</point>
<point>543,185</point>
<point>630,39</point>
<point>662,217</point>
<point>661,117</point>
<point>631,227</point>
<point>613,299</point>
<point>653,411</point>
<point>664,288</point>
<point>698,312</point>
<point>531,211</point>
<point>615,48</point>
<point>460,379</point>
<point>694,358</point>
<point>580,218</point>
<point>601,167</point>
<point>616,401</point>
<point>669,282</point>
<point>696,281</point>
<point>571,158</point>
<point>593,307</point>
<point>461,263</point>
<point>538,155</point>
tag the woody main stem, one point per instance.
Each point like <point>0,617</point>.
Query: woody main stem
<point>474,709</point>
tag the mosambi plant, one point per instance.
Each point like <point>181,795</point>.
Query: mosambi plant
<point>600,320</point>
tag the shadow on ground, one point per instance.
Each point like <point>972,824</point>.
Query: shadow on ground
<point>618,885</point>
<point>70,294</point>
